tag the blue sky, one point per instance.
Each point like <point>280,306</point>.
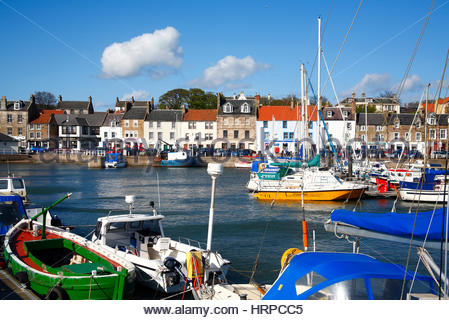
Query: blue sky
<point>109,49</point>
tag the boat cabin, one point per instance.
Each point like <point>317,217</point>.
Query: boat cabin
<point>345,276</point>
<point>13,185</point>
<point>11,212</point>
<point>135,233</point>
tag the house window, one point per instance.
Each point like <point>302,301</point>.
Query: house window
<point>9,118</point>
<point>349,126</point>
<point>285,135</point>
<point>345,114</point>
<point>151,135</point>
<point>105,134</point>
<point>267,135</point>
<point>397,124</point>
<point>31,133</point>
<point>19,131</point>
<point>245,108</point>
<point>397,135</point>
<point>158,124</point>
<point>407,136</point>
<point>225,121</point>
<point>135,123</point>
<point>363,137</point>
<point>236,134</point>
<point>31,126</point>
<point>236,121</point>
<point>38,135</point>
<point>418,136</point>
<point>173,124</point>
<point>187,137</point>
<point>38,126</point>
<point>227,108</point>
<point>329,114</point>
<point>418,125</point>
<point>246,134</point>
<point>247,121</point>
<point>172,135</point>
<point>19,118</point>
<point>284,124</point>
<point>378,128</point>
<point>225,133</point>
<point>432,121</point>
<point>126,123</point>
<point>265,124</point>
<point>443,133</point>
<point>209,125</point>
<point>192,125</point>
<point>159,135</point>
<point>112,134</point>
<point>362,128</point>
<point>291,135</point>
<point>379,137</point>
<point>432,133</point>
<point>198,136</point>
<point>150,124</point>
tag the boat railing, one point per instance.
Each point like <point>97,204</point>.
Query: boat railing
<point>192,242</point>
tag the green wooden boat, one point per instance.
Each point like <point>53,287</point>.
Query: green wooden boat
<point>58,264</point>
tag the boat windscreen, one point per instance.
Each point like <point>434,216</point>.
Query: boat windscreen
<point>17,184</point>
<point>3,184</point>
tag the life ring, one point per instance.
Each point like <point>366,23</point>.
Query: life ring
<point>288,255</point>
<point>262,166</point>
<point>57,293</point>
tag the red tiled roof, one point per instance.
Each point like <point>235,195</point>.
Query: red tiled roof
<point>42,119</point>
<point>53,111</point>
<point>431,106</point>
<point>285,113</point>
<point>200,115</point>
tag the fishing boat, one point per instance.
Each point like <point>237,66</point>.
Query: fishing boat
<point>162,263</point>
<point>429,188</point>
<point>12,185</point>
<point>177,159</point>
<point>114,160</point>
<point>57,264</point>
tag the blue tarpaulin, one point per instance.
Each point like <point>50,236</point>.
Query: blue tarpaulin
<point>393,223</point>
<point>11,212</point>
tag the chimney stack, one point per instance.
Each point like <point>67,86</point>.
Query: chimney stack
<point>218,100</point>
<point>59,98</point>
<point>291,103</point>
<point>353,94</point>
<point>269,98</point>
<point>132,100</point>
<point>32,99</point>
<point>148,106</point>
<point>3,103</point>
<point>152,103</point>
<point>90,100</point>
<point>363,94</point>
<point>117,100</point>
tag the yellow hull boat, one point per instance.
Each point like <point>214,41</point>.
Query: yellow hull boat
<point>322,195</point>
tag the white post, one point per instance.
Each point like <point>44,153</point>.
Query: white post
<point>214,170</point>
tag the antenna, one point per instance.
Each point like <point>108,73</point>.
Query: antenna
<point>158,191</point>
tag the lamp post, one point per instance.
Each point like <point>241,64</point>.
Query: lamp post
<point>214,170</point>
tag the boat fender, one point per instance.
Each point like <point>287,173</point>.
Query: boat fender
<point>57,293</point>
<point>262,166</point>
<point>288,255</point>
<point>22,277</point>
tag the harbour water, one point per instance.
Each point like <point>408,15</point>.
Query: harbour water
<point>243,226</point>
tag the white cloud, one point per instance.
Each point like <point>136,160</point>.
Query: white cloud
<point>137,94</point>
<point>370,84</point>
<point>413,83</point>
<point>160,48</point>
<point>228,69</point>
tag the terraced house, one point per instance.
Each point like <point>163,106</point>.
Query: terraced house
<point>14,118</point>
<point>236,121</point>
<point>162,128</point>
<point>133,120</point>
<point>43,131</point>
<point>75,107</point>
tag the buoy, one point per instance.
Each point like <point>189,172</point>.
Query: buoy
<point>288,255</point>
<point>305,238</point>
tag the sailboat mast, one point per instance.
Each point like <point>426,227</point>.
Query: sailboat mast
<point>302,108</point>
<point>319,82</point>
<point>425,127</point>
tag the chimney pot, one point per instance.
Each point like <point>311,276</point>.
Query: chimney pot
<point>3,103</point>
<point>132,99</point>
<point>59,98</point>
<point>363,95</point>
<point>353,94</point>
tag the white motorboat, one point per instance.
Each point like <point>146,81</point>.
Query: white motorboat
<point>161,262</point>
<point>12,185</point>
<point>114,160</point>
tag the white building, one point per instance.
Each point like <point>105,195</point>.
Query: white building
<point>382,104</point>
<point>198,128</point>
<point>340,123</point>
<point>111,131</point>
<point>282,127</point>
<point>162,127</point>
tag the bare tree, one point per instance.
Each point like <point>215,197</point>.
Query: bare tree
<point>45,98</point>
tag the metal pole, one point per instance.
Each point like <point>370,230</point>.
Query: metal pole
<point>211,215</point>
<point>319,80</point>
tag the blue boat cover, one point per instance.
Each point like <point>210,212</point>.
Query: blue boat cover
<point>11,212</point>
<point>334,268</point>
<point>393,223</point>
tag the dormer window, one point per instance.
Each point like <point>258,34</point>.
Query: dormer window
<point>227,108</point>
<point>345,114</point>
<point>17,105</point>
<point>431,121</point>
<point>397,124</point>
<point>418,125</point>
<point>329,114</point>
<point>245,108</point>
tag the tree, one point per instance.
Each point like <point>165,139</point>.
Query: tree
<point>386,94</point>
<point>45,98</point>
<point>369,109</point>
<point>324,101</point>
<point>174,99</point>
